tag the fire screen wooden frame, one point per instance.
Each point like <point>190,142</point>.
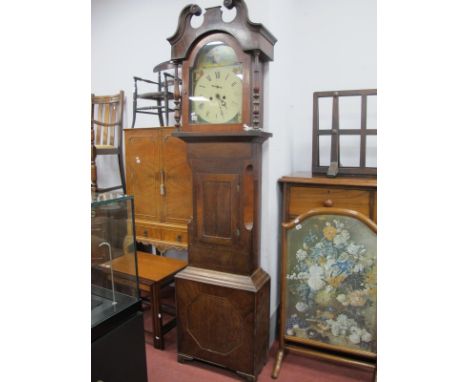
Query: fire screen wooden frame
<point>335,167</point>
<point>329,288</point>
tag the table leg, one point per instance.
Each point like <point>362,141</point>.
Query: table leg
<point>158,340</point>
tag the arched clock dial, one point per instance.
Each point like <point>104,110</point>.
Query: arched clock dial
<point>217,82</point>
<point>218,96</point>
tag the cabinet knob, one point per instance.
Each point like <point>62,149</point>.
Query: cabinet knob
<point>328,203</point>
<point>145,233</point>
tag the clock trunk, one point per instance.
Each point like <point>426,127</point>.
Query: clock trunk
<point>223,295</point>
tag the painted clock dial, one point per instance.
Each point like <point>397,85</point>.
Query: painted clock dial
<point>216,86</point>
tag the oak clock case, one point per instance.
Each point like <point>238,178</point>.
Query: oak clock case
<point>223,296</point>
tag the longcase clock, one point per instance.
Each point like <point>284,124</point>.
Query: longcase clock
<point>223,296</point>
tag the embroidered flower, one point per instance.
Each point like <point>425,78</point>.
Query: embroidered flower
<point>315,280</point>
<point>354,298</point>
<point>357,297</point>
<point>329,232</point>
<point>301,306</point>
<point>342,299</point>
<point>335,281</point>
<point>342,325</point>
<point>359,334</point>
<point>301,255</point>
<point>354,249</point>
<point>325,296</point>
<point>366,336</point>
<point>341,239</point>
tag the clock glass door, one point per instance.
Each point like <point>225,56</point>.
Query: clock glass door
<point>216,82</point>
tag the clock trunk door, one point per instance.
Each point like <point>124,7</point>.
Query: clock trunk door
<point>218,208</point>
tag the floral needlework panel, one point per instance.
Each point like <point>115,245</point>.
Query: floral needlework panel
<point>332,283</point>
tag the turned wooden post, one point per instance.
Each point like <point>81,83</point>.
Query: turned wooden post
<point>176,96</point>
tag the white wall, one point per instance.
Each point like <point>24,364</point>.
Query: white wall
<point>322,45</point>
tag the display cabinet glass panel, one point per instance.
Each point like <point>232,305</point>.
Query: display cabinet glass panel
<point>112,247</point>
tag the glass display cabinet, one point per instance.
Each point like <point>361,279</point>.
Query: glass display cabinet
<point>117,334</point>
<point>112,244</point>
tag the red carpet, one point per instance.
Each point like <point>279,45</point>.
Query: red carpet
<point>163,367</point>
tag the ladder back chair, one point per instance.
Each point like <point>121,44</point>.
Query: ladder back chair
<point>167,75</point>
<point>106,134</point>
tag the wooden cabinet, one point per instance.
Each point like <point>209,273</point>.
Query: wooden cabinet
<point>303,192</point>
<point>159,178</point>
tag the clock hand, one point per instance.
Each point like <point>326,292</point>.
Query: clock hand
<point>217,86</point>
<point>223,102</point>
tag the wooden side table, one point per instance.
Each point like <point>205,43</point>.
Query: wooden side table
<point>154,273</point>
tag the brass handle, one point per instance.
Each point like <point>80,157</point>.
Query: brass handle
<point>179,238</point>
<point>145,233</point>
<point>328,203</point>
<point>162,190</point>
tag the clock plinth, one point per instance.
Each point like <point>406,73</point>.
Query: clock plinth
<point>223,319</point>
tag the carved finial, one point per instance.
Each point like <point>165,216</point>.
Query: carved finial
<point>229,4</point>
<point>184,21</point>
<point>195,10</point>
<point>240,6</point>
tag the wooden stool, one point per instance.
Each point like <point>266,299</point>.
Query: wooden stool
<point>154,273</point>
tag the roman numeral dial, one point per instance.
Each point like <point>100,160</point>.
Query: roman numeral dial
<point>217,95</point>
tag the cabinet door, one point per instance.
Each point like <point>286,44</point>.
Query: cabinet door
<point>176,193</point>
<point>142,163</point>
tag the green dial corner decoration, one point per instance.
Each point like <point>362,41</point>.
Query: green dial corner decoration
<point>216,86</point>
